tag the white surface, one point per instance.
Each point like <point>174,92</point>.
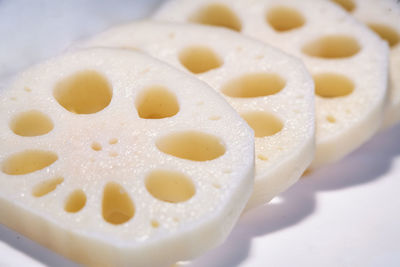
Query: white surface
<point>346,214</point>
<point>289,151</point>
<point>357,115</point>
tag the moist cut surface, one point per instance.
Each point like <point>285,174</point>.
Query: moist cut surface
<point>109,156</point>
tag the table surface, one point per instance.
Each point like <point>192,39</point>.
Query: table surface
<point>346,214</point>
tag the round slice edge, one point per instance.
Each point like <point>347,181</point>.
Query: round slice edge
<point>348,62</point>
<point>109,175</point>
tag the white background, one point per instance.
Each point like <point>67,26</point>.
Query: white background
<point>346,214</point>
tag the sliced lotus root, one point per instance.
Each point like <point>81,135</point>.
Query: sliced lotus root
<point>348,62</point>
<point>272,91</point>
<point>113,158</point>
<point>383,16</point>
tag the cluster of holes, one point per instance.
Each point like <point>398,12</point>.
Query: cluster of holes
<point>167,186</point>
<point>33,160</point>
<point>386,32</point>
<point>96,146</point>
<point>88,92</point>
<point>75,95</point>
<point>117,206</point>
<point>199,59</point>
<point>284,18</point>
<point>84,92</point>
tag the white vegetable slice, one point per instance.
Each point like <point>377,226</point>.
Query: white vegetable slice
<point>110,158</point>
<point>348,61</point>
<point>270,89</point>
<point>383,16</point>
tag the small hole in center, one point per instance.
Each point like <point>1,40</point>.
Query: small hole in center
<point>155,224</point>
<point>217,186</point>
<point>215,118</point>
<point>330,119</point>
<point>113,141</point>
<point>262,157</point>
<point>113,154</point>
<point>96,146</point>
